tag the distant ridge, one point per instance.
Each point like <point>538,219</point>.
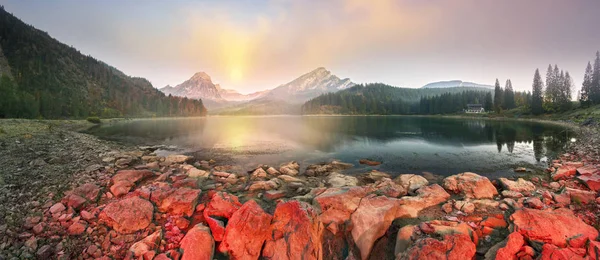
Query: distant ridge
<point>455,83</point>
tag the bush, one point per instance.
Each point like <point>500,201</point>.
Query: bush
<point>93,119</point>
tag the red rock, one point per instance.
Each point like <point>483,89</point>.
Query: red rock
<point>180,202</point>
<point>592,181</point>
<point>369,162</point>
<point>88,191</point>
<point>564,172</point>
<point>552,252</point>
<point>198,244</point>
<point>246,231</point>
<point>182,223</point>
<point>581,196</point>
<point>441,227</point>
<point>588,170</point>
<point>520,185</point>
<point>453,247</point>
<point>58,207</point>
<point>337,204</point>
<point>38,229</point>
<point>295,233</point>
<point>124,180</point>
<point>371,220</point>
<point>263,185</point>
<point>494,222</point>
<point>534,202</point>
<point>593,249</point>
<point>389,188</point>
<point>86,215</point>
<point>274,194</point>
<point>74,201</point>
<point>427,196</point>
<point>559,227</point>
<point>128,215</point>
<point>404,239</point>
<point>470,185</point>
<point>76,229</point>
<point>513,245</point>
<point>221,205</point>
<point>162,256</point>
<point>149,243</point>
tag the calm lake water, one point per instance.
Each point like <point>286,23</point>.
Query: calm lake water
<point>404,144</point>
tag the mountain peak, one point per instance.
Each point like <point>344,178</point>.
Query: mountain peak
<point>201,75</point>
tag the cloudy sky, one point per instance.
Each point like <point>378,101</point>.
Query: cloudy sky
<point>255,45</point>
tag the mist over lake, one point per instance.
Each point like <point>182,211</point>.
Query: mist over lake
<point>404,144</point>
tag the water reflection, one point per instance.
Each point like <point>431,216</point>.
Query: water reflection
<point>406,143</point>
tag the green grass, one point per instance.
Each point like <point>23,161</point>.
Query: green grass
<point>2,131</point>
<point>93,120</point>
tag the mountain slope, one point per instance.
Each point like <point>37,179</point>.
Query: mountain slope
<point>52,80</point>
<point>381,99</point>
<point>310,85</point>
<point>198,86</point>
<point>455,83</point>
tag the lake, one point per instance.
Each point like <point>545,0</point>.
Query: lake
<point>405,144</point>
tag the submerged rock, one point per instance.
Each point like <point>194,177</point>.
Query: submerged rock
<point>369,162</point>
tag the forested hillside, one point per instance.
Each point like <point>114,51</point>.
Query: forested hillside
<point>384,99</point>
<point>42,77</point>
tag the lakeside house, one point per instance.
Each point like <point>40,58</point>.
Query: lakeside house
<point>474,108</point>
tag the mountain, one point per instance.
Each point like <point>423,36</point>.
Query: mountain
<point>288,98</point>
<point>310,85</point>
<point>384,99</point>
<point>455,83</point>
<point>42,77</point>
<point>198,86</point>
<point>233,95</point>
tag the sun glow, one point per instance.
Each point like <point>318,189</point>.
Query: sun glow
<point>235,74</point>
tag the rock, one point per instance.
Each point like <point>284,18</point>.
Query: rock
<point>373,176</point>
<point>593,249</point>
<point>274,194</point>
<point>588,170</point>
<point>95,167</point>
<point>149,243</point>
<point>389,188</point>
<point>295,233</point>
<point>76,228</point>
<point>520,185</point>
<point>128,215</point>
<point>31,243</point>
<point>592,181</point>
<point>198,244</point>
<point>520,169</point>
<point>564,172</point>
<point>124,180</point>
<point>470,185</point>
<point>272,171</point>
<point>511,194</point>
<point>197,173</point>
<point>534,203</point>
<point>74,201</point>
<point>550,251</point>
<point>560,227</point>
<point>220,208</point>
<point>441,228</point>
<point>287,178</point>
<point>44,252</point>
<point>258,174</point>
<point>456,246</point>
<point>89,191</point>
<point>290,168</point>
<point>180,202</point>
<point>427,196</point>
<point>340,166</point>
<point>404,239</point>
<point>513,245</point>
<point>464,206</point>
<point>246,231</point>
<point>369,162</point>
<point>56,208</point>
<point>371,220</point>
<point>177,158</point>
<point>411,182</point>
<point>581,196</point>
<point>263,185</point>
<point>335,179</point>
<point>337,204</point>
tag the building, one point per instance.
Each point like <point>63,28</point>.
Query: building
<point>474,108</point>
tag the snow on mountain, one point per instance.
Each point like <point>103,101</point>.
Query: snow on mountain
<point>455,83</point>
<point>199,85</point>
<point>310,85</point>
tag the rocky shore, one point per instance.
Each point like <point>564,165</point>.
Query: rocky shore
<point>112,202</point>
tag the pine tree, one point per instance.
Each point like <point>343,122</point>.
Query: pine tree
<point>586,86</point>
<point>537,94</point>
<point>498,96</point>
<point>565,91</point>
<point>509,96</point>
<point>488,104</point>
<point>595,86</point>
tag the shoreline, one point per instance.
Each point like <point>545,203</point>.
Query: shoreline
<point>60,224</point>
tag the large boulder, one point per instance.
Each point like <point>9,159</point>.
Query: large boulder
<point>471,185</point>
<point>564,172</point>
<point>588,170</point>
<point>180,202</point>
<point>371,220</point>
<point>335,179</point>
<point>560,227</point>
<point>197,244</point>
<point>295,233</point>
<point>246,231</point>
<point>427,196</point>
<point>455,246</point>
<point>513,245</point>
<point>220,208</point>
<point>337,204</point>
<point>128,215</point>
<point>149,243</point>
<point>592,181</point>
<point>552,252</point>
<point>124,180</point>
<point>520,185</point>
<point>411,182</point>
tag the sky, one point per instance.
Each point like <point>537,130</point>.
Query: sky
<point>256,45</point>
